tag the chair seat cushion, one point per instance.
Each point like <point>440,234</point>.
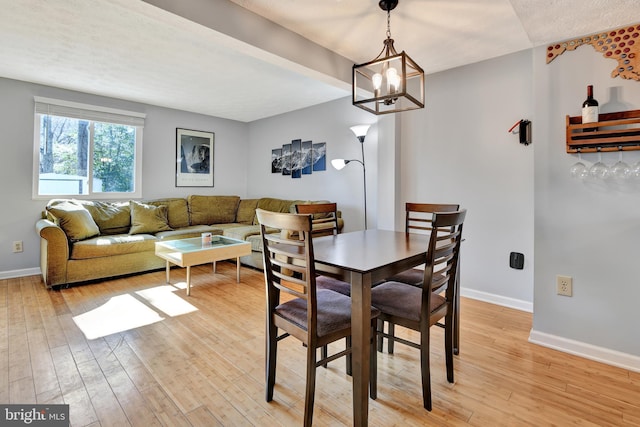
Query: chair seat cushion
<point>334,312</point>
<point>402,300</point>
<point>325,282</point>
<point>414,277</point>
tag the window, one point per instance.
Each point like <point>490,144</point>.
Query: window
<point>84,150</point>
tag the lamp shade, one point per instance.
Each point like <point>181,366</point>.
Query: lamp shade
<point>360,130</point>
<point>338,163</point>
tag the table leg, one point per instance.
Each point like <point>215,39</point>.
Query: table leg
<point>188,280</point>
<point>167,272</point>
<point>238,269</point>
<point>214,267</point>
<point>361,334</point>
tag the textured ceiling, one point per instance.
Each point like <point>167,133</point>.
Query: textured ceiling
<point>234,64</point>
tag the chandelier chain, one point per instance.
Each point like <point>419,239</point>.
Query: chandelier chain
<point>388,24</point>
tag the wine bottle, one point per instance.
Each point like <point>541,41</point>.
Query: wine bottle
<point>590,110</point>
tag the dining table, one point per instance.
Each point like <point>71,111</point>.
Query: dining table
<point>364,258</point>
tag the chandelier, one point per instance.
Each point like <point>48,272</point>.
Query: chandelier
<point>390,83</point>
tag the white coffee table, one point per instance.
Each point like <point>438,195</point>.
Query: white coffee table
<point>188,252</point>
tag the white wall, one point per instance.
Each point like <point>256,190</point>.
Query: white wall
<point>455,150</point>
<point>20,212</point>
<point>458,150</point>
<point>589,231</point>
<point>330,123</point>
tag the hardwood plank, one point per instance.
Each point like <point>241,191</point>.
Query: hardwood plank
<point>42,367</point>
<point>205,366</point>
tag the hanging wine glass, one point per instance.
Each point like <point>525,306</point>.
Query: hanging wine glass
<point>599,170</point>
<point>635,171</point>
<point>620,170</point>
<point>579,170</point>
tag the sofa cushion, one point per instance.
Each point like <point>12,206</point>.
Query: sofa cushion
<point>148,218</point>
<point>206,210</point>
<point>250,233</point>
<point>246,211</point>
<point>119,244</point>
<point>256,242</point>
<point>273,205</point>
<point>177,210</point>
<point>187,232</point>
<point>111,218</point>
<point>242,232</point>
<point>73,218</point>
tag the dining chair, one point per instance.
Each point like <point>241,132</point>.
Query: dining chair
<point>324,222</point>
<point>418,217</point>
<point>316,317</point>
<point>419,308</point>
<point>324,217</point>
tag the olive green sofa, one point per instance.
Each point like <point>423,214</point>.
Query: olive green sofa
<point>85,240</point>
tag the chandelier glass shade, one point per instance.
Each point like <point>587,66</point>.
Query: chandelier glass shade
<point>390,83</point>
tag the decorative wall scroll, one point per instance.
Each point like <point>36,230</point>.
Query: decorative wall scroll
<point>622,44</point>
<point>299,158</point>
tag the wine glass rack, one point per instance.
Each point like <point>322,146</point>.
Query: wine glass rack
<point>614,132</point>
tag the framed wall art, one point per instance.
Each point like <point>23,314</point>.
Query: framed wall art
<point>194,158</point>
<point>299,158</point>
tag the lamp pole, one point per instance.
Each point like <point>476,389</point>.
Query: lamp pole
<point>360,132</point>
<point>364,181</point>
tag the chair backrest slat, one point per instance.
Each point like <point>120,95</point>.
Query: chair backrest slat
<point>288,263</point>
<point>418,215</point>
<point>442,255</point>
<point>324,217</point>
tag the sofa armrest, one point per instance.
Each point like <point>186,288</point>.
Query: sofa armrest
<point>54,252</point>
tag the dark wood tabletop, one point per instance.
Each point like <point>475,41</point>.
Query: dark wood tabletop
<point>371,251</point>
<point>363,258</point>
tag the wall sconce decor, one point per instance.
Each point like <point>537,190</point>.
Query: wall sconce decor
<point>390,83</point>
<point>360,132</point>
<point>621,44</point>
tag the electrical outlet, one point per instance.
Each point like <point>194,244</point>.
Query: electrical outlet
<point>17,246</point>
<point>564,285</point>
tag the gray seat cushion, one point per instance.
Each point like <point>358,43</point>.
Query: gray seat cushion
<point>334,312</point>
<point>402,300</point>
<point>324,282</point>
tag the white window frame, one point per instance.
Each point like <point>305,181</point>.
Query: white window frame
<point>91,113</point>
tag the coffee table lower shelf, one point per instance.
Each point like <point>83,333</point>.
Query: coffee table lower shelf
<point>190,252</point>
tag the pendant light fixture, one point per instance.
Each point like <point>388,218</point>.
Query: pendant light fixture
<point>390,83</point>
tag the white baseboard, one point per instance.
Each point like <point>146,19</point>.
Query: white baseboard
<point>497,299</point>
<point>577,348</point>
<point>588,351</point>
<point>19,273</point>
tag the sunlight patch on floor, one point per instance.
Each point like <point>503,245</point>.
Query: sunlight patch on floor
<point>164,298</point>
<point>119,314</point>
<point>125,312</point>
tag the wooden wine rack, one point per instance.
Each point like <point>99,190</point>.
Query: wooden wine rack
<point>615,132</point>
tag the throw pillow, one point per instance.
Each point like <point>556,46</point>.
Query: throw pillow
<point>148,218</point>
<point>74,219</point>
<point>111,217</point>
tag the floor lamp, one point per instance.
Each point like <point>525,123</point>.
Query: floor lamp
<point>360,132</point>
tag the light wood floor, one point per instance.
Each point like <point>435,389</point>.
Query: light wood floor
<point>200,362</point>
